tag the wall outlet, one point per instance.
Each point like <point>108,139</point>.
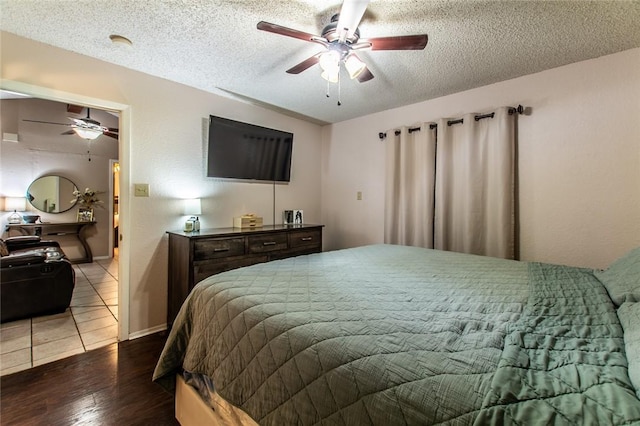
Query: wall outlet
<point>140,189</point>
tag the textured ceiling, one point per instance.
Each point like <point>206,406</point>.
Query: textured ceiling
<point>214,45</point>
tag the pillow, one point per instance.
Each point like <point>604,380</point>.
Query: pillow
<point>4,251</point>
<point>629,315</point>
<point>622,278</point>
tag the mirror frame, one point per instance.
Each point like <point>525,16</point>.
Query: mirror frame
<point>60,201</point>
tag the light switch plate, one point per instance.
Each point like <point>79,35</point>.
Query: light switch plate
<point>140,189</point>
<point>10,137</point>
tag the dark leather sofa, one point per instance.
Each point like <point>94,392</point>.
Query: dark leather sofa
<point>36,278</point>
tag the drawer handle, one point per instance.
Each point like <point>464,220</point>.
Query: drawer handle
<point>269,243</point>
<point>306,238</point>
<point>217,250</point>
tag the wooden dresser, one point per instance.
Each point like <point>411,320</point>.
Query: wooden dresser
<point>194,256</point>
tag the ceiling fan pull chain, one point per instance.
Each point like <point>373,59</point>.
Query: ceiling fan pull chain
<point>339,103</point>
<point>328,85</point>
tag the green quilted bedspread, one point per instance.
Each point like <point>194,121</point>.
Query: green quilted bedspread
<point>563,361</point>
<point>393,335</point>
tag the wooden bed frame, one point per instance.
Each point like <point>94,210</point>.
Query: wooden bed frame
<point>191,410</point>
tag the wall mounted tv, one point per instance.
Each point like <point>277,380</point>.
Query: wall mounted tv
<point>245,151</point>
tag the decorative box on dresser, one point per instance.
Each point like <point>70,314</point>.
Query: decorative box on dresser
<point>194,256</point>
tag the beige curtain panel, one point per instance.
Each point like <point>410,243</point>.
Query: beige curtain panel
<point>459,192</point>
<point>410,179</point>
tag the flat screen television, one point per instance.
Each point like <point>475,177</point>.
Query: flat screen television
<point>245,151</point>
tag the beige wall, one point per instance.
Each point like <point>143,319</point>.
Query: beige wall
<point>579,161</point>
<point>164,148</point>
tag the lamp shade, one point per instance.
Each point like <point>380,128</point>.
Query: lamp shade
<point>329,60</point>
<point>354,66</point>
<point>15,204</point>
<point>192,206</point>
<point>331,77</point>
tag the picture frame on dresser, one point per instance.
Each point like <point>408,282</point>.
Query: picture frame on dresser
<point>293,217</point>
<point>85,215</point>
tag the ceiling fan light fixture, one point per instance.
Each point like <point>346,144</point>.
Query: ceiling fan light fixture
<point>89,134</point>
<point>354,66</point>
<point>331,75</point>
<point>329,60</point>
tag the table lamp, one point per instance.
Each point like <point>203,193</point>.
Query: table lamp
<point>192,207</point>
<point>15,204</point>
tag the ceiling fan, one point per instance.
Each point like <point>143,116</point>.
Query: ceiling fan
<point>341,38</point>
<point>86,128</point>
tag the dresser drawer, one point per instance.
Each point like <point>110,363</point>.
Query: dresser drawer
<point>268,242</point>
<point>216,248</point>
<point>205,269</point>
<point>305,238</point>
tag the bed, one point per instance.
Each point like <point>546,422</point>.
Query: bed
<point>388,335</point>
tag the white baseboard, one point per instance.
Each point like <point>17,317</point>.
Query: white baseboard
<point>148,331</point>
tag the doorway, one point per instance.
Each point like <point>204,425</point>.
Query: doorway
<point>93,319</point>
<point>123,112</point>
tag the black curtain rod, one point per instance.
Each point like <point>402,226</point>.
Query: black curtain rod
<point>512,110</point>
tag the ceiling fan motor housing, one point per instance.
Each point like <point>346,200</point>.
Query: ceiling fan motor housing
<point>90,121</point>
<point>331,34</point>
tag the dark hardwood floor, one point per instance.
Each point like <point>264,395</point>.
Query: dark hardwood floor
<point>106,386</point>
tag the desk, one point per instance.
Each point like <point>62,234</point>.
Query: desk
<point>77,229</point>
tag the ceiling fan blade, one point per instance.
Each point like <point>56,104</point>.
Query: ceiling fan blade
<point>411,42</point>
<point>279,29</point>
<point>307,63</point>
<point>68,132</point>
<point>350,16</point>
<point>113,129</point>
<point>111,135</point>
<point>47,122</point>
<point>365,75</point>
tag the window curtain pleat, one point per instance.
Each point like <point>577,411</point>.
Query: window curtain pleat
<point>410,180</point>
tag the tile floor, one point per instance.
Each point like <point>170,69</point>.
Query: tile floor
<point>91,322</point>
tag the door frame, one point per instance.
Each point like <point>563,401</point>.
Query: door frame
<point>124,154</point>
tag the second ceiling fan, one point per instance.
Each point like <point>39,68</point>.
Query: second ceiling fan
<point>86,128</point>
<point>341,38</point>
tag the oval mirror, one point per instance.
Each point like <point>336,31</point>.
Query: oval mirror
<point>51,194</point>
